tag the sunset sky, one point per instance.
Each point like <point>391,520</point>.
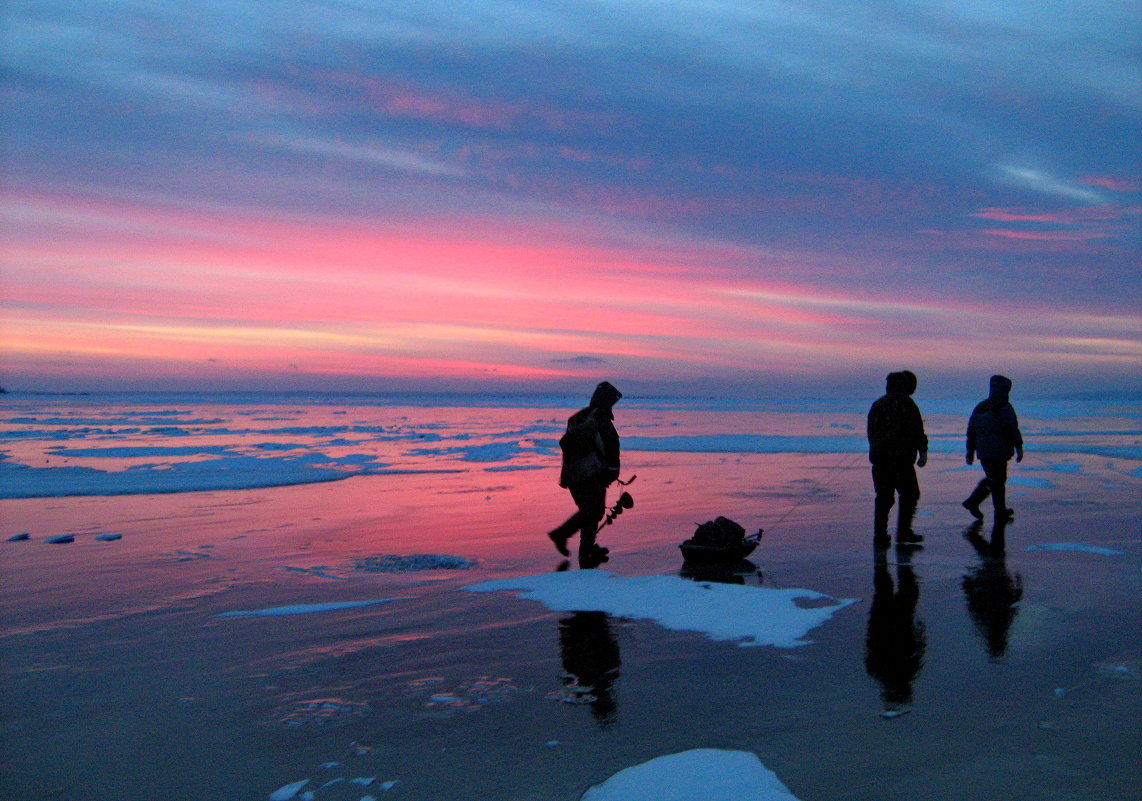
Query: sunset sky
<point>699,196</point>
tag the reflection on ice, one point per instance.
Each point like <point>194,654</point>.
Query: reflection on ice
<point>304,609</point>
<point>1075,546</point>
<point>753,615</point>
<point>705,773</point>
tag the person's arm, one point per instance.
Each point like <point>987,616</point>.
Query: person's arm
<point>611,448</point>
<point>971,440</point>
<point>1011,430</point>
<point>921,438</point>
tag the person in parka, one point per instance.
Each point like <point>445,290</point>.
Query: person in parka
<point>896,442</point>
<point>993,435</point>
<point>587,472</point>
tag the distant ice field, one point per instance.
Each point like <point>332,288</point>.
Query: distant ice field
<point>58,446</point>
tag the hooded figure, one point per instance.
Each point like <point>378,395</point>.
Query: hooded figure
<point>993,435</point>
<point>590,464</point>
<point>896,441</point>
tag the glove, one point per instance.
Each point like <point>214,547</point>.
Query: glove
<point>1019,454</point>
<point>970,458</point>
<point>923,459</point>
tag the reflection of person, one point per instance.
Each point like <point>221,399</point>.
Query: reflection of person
<point>590,465</point>
<point>993,435</point>
<point>896,641</point>
<point>896,441</point>
<point>991,591</point>
<point>591,660</point>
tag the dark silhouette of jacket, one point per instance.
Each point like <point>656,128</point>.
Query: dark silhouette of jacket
<point>602,406</point>
<point>993,428</point>
<point>895,426</point>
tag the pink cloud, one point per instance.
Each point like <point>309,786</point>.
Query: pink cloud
<point>1115,183</point>
<point>1046,236</point>
<point>1073,216</point>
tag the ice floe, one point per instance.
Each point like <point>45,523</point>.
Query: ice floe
<point>1075,546</point>
<point>304,609</point>
<point>703,773</point>
<point>752,615</point>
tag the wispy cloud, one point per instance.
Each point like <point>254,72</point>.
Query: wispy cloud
<point>1045,183</point>
<point>383,157</point>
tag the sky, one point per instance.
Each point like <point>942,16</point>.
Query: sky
<point>689,196</point>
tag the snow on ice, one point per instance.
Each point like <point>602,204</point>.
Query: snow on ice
<point>304,609</point>
<point>1075,546</point>
<point>705,773</point>
<point>752,615</point>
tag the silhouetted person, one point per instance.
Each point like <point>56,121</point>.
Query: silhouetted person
<point>591,660</point>
<point>991,591</point>
<point>896,441</point>
<point>590,464</point>
<point>895,644</point>
<point>993,435</point>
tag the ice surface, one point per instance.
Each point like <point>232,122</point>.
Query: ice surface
<point>487,452</point>
<point>1075,546</point>
<point>227,472</point>
<point>289,791</point>
<point>703,773</point>
<point>1028,481</point>
<point>753,615</point>
<point>304,609</point>
<point>411,563</point>
<point>747,443</point>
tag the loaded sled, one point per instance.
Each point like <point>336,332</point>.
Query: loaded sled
<point>717,541</point>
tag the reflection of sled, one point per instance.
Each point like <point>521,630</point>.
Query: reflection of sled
<point>741,571</point>
<point>711,554</point>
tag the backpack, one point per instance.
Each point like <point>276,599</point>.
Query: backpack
<point>719,533</point>
<point>582,447</point>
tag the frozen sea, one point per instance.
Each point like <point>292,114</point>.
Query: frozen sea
<point>353,598</point>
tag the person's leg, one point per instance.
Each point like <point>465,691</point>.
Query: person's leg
<point>909,489</point>
<point>592,502</point>
<point>569,528</point>
<point>996,472</point>
<point>978,495</point>
<point>884,485</point>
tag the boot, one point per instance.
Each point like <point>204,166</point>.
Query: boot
<point>560,540</point>
<point>978,496</point>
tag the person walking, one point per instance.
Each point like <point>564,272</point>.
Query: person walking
<point>896,442</point>
<point>590,464</point>
<point>993,435</point>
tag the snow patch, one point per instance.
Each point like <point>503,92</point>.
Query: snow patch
<point>705,773</point>
<point>752,615</point>
<point>288,791</point>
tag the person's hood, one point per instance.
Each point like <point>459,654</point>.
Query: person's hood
<point>1000,387</point>
<point>903,381</point>
<point>605,396</point>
